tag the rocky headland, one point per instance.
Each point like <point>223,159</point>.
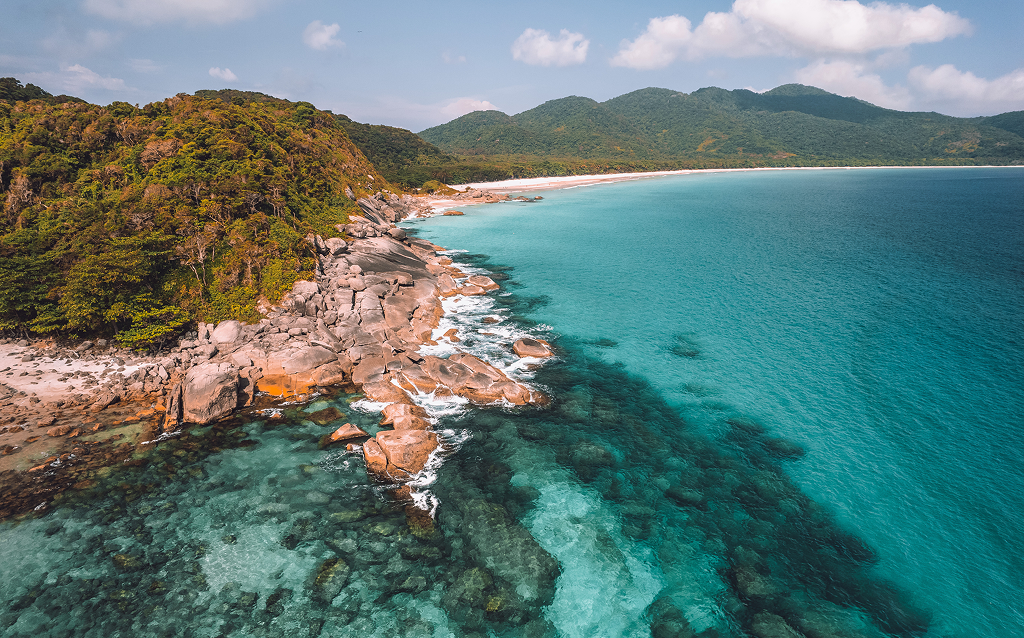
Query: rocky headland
<point>68,412</point>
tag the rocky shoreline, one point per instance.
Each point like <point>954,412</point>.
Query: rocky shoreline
<point>70,412</point>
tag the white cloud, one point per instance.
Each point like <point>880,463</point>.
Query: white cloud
<point>966,93</point>
<point>536,46</point>
<point>854,80</point>
<point>223,74</point>
<point>789,28</point>
<point>460,106</point>
<point>320,36</point>
<point>75,79</point>
<point>196,11</point>
<point>945,89</point>
<point>449,58</point>
<point>656,47</point>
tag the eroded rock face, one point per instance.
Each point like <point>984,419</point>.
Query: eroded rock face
<point>210,392</point>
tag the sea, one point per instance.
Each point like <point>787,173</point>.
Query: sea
<point>783,404</point>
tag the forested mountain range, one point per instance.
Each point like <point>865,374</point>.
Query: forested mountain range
<point>789,125</point>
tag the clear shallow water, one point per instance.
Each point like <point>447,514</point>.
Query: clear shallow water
<point>711,327</point>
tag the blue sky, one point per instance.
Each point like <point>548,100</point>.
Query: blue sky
<point>418,64</point>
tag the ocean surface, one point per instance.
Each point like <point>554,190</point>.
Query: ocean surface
<point>785,403</point>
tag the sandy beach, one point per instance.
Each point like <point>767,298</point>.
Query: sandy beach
<point>571,181</point>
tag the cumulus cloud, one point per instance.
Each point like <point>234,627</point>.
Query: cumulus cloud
<point>320,36</point>
<point>75,79</point>
<point>153,11</point>
<point>855,80</point>
<point>462,105</point>
<point>945,89</point>
<point>789,28</point>
<point>967,93</point>
<point>536,46</point>
<point>223,74</point>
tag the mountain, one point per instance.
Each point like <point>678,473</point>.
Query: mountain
<point>789,125</point>
<point>12,90</point>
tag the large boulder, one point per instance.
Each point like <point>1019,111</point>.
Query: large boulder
<point>336,246</point>
<point>484,282</point>
<point>407,452</point>
<point>531,348</point>
<point>210,391</point>
<point>227,332</point>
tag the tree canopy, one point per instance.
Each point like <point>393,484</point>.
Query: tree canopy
<point>114,219</point>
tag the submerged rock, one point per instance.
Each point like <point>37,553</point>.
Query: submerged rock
<point>509,551</point>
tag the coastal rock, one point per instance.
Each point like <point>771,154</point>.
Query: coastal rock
<point>226,332</point>
<point>483,282</point>
<point>368,370</point>
<point>472,291</point>
<point>384,392</point>
<point>376,460</point>
<point>336,246</point>
<point>407,451</point>
<point>532,348</point>
<point>210,392</point>
<point>347,432</point>
<point>396,410</point>
<point>453,213</point>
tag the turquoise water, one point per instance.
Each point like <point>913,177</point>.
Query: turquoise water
<point>785,404</point>
<point>874,317</point>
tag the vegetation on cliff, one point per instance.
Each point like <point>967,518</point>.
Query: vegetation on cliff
<point>130,221</point>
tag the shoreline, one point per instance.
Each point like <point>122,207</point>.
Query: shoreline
<point>71,412</point>
<point>529,184</point>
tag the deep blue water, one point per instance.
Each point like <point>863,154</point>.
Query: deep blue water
<point>785,404</point>
<point>875,317</point>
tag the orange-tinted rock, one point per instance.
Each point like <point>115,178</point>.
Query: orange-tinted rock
<point>395,410</point>
<point>491,319</point>
<point>410,422</point>
<point>472,291</point>
<point>286,385</point>
<point>531,348</point>
<point>346,432</point>
<point>376,460</point>
<point>385,392</point>
<point>484,282</point>
<point>407,450</point>
<point>453,213</point>
<point>452,335</point>
<point>60,430</point>
<point>331,374</point>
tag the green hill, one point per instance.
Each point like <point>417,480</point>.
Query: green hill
<point>789,125</point>
<point>124,220</point>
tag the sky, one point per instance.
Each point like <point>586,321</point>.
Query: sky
<point>419,64</point>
